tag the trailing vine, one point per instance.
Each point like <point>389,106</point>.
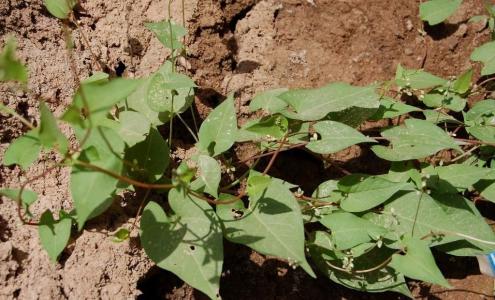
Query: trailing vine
<point>369,232</point>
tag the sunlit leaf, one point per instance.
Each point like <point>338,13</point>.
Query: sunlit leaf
<point>24,150</point>
<point>450,218</point>
<point>272,224</point>
<point>218,132</point>
<point>335,136</point>
<point>486,55</point>
<point>168,92</point>
<point>190,244</point>
<point>418,263</point>
<point>315,104</point>
<point>363,193</point>
<point>257,184</point>
<point>389,108</point>
<point>54,234</point>
<point>463,83</point>
<point>11,68</point>
<point>349,230</point>
<point>416,79</point>
<point>481,121</point>
<point>97,77</point>
<point>100,98</point>
<point>417,139</point>
<point>443,99</point>
<point>50,135</point>
<point>134,127</point>
<point>60,8</point>
<point>275,126</point>
<point>435,117</point>
<point>28,197</point>
<point>436,11</point>
<point>91,189</point>
<point>149,158</point>
<point>269,101</point>
<point>384,279</point>
<point>168,33</point>
<point>210,174</point>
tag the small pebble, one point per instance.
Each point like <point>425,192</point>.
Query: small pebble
<point>409,25</point>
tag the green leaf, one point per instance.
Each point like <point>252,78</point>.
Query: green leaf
<point>257,184</point>
<point>134,127</point>
<point>480,18</point>
<point>480,121</point>
<point>385,279</point>
<point>54,235</point>
<point>168,33</point>
<point>436,11</point>
<point>416,79</point>
<point>362,194</point>
<point>325,190</point>
<point>92,189</point>
<point>459,176</point>
<point>269,101</point>
<point>486,55</point>
<point>449,216</point>
<point>175,81</point>
<point>444,99</point>
<point>100,97</point>
<point>353,116</point>
<point>121,235</point>
<point>50,135</point>
<point>218,132</point>
<point>275,126</point>
<point>28,197</point>
<point>436,117</point>
<point>315,104</point>
<point>417,139</point>
<point>389,108</point>
<point>23,150</point>
<point>404,171</point>
<point>138,101</point>
<point>335,136</point>
<point>10,67</point>
<point>60,8</point>
<point>463,83</point>
<point>97,77</point>
<point>162,97</point>
<point>271,225</point>
<point>418,263</point>
<point>190,245</point>
<point>486,186</point>
<point>349,230</point>
<point>150,157</point>
<point>210,173</point>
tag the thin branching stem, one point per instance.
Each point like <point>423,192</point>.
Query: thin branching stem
<point>216,201</point>
<point>21,191</point>
<point>140,209</point>
<point>364,271</point>
<point>275,154</point>
<point>85,40</point>
<point>12,112</point>
<point>123,178</point>
<point>270,153</point>
<point>188,128</point>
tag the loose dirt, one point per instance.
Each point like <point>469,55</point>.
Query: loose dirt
<point>235,46</point>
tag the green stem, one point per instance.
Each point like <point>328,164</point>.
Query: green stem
<point>188,128</point>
